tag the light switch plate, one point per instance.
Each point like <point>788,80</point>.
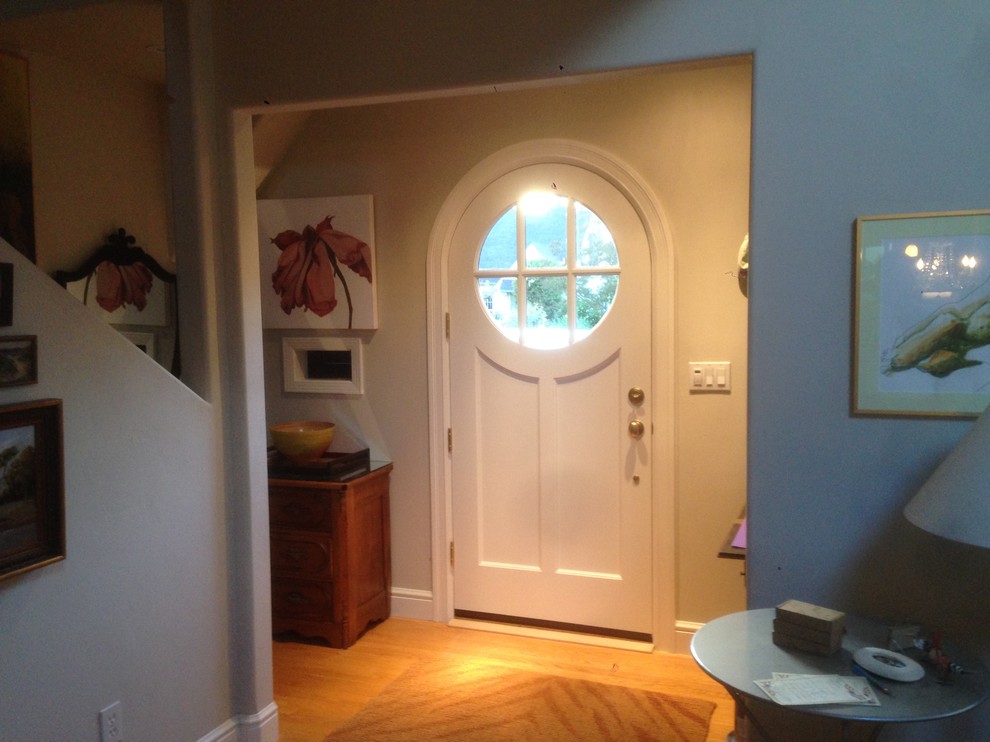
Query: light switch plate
<point>710,376</point>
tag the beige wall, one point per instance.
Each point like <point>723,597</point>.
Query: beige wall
<point>99,152</point>
<point>686,132</point>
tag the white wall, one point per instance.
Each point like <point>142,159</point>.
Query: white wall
<point>137,612</point>
<point>686,133</point>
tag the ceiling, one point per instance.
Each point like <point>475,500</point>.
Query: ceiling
<point>124,37</point>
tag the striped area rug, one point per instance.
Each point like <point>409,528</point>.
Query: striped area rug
<point>470,699</point>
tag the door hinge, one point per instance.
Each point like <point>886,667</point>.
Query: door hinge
<point>450,440</point>
<point>446,322</point>
<point>451,553</point>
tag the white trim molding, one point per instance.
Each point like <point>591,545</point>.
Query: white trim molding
<point>409,603</point>
<point>259,727</point>
<point>685,633</point>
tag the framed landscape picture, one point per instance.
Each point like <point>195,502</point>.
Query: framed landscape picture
<point>32,495</point>
<point>18,360</point>
<point>922,314</point>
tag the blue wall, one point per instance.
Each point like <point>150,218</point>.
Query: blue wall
<point>877,111</point>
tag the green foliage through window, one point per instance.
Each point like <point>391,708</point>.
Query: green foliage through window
<point>571,273</point>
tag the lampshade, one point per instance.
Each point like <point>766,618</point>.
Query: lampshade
<point>955,501</point>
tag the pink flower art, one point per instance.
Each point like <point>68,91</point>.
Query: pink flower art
<point>309,262</point>
<point>119,285</point>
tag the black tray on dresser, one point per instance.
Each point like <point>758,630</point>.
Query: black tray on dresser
<point>330,467</point>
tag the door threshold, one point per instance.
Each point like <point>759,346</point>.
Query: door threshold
<point>560,635</point>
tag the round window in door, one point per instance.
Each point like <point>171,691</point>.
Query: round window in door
<point>548,271</point>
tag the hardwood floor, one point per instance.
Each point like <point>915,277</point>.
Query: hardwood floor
<point>318,688</point>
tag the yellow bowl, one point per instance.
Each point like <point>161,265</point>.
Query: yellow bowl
<point>302,441</point>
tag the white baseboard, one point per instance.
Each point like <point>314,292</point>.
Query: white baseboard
<point>684,631</point>
<point>259,727</point>
<point>408,603</point>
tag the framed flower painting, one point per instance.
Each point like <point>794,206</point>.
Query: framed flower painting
<point>318,263</point>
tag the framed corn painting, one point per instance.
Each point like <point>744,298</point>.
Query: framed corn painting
<point>922,314</point>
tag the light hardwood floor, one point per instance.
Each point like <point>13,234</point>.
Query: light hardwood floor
<point>318,688</point>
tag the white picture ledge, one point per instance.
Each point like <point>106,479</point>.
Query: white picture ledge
<point>324,365</point>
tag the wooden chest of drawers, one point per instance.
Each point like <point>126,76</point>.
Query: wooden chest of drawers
<point>331,555</point>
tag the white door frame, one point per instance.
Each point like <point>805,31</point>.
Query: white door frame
<point>662,408</point>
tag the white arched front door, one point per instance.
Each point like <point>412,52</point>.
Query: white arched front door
<point>551,404</point>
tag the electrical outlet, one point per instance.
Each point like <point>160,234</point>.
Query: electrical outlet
<point>112,723</point>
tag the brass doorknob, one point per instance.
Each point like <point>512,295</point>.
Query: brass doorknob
<point>637,395</point>
<point>636,428</point>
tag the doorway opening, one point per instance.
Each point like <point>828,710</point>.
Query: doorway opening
<point>685,131</point>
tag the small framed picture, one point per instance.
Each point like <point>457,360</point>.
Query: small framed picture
<point>6,294</point>
<point>32,488</point>
<point>922,314</point>
<point>18,360</point>
<point>145,341</point>
<point>324,365</point>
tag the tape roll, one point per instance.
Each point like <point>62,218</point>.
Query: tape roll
<point>888,664</point>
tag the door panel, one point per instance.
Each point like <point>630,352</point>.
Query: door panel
<point>590,507</point>
<point>508,518</point>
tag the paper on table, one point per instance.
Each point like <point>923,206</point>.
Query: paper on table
<point>806,690</point>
